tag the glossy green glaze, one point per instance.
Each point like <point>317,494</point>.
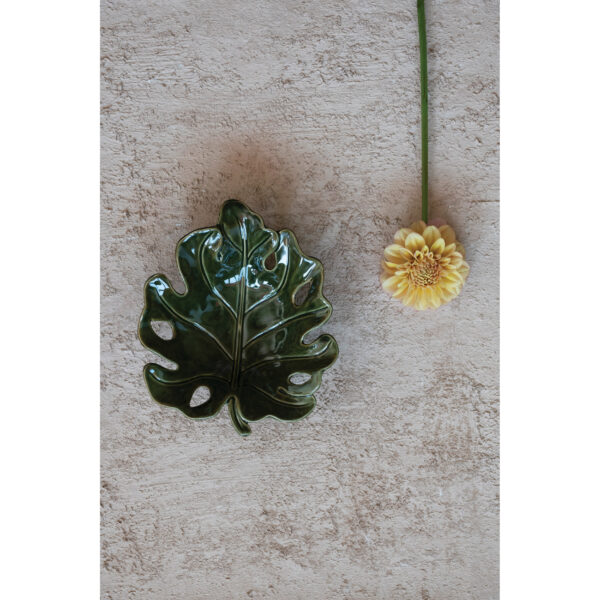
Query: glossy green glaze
<point>238,329</point>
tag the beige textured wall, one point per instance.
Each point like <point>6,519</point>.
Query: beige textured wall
<point>308,112</point>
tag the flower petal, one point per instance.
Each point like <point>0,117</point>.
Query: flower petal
<point>447,294</point>
<point>401,235</point>
<point>421,301</point>
<point>438,246</point>
<point>432,297</point>
<point>414,242</point>
<point>418,226</point>
<point>456,259</point>
<point>460,248</point>
<point>409,299</point>
<point>397,254</point>
<point>390,285</point>
<point>431,234</point>
<point>435,299</point>
<point>391,266</point>
<point>401,289</point>
<point>448,234</point>
<point>452,276</point>
<point>388,271</point>
<point>449,249</point>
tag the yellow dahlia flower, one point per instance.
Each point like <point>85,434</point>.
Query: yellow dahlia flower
<point>425,266</point>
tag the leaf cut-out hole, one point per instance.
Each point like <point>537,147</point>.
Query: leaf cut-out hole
<point>163,329</point>
<point>200,396</point>
<point>299,378</point>
<point>270,262</point>
<point>165,363</point>
<point>310,336</point>
<point>301,294</point>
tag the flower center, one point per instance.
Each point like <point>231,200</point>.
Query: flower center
<point>425,270</point>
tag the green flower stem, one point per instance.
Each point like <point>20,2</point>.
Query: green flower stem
<point>424,119</point>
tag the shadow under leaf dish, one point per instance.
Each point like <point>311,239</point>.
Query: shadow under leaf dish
<point>251,297</point>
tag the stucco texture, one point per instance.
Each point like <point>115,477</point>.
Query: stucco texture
<point>307,111</point>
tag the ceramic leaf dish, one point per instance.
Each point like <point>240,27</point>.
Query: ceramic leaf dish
<point>251,297</point>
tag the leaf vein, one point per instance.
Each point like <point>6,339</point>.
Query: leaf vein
<point>281,400</point>
<point>260,363</point>
<point>207,282</point>
<point>279,325</point>
<point>174,313</point>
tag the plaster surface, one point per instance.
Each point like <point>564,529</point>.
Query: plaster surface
<point>308,111</point>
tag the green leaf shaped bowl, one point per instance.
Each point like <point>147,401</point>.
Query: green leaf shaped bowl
<point>238,330</point>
